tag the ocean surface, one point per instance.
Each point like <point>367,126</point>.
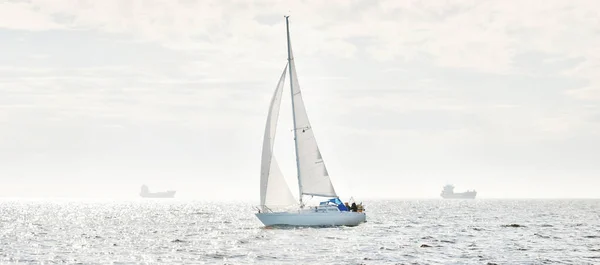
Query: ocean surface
<point>397,232</point>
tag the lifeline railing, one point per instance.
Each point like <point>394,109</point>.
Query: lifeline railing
<point>266,209</point>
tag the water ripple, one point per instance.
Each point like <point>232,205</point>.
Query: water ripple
<point>397,232</point>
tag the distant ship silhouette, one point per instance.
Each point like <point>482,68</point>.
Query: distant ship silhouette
<point>145,193</point>
<point>448,193</point>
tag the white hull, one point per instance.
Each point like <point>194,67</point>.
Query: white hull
<point>306,218</point>
<point>460,195</point>
<point>166,194</point>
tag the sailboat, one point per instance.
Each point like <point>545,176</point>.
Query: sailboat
<point>313,178</point>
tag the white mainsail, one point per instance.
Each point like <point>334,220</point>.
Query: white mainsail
<point>313,178</point>
<point>274,191</point>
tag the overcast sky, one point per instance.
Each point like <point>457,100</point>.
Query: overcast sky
<point>99,97</point>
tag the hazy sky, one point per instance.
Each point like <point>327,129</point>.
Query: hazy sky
<point>98,97</point>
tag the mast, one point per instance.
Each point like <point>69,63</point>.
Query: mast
<point>289,47</point>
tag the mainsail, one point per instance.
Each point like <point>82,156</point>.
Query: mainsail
<point>274,191</point>
<point>313,178</point>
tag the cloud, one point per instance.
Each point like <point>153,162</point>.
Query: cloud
<point>129,93</point>
<point>586,93</point>
<point>471,34</point>
<point>587,70</point>
<point>24,16</point>
<point>491,36</point>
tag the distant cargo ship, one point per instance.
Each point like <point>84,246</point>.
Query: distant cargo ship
<point>145,193</point>
<point>448,193</point>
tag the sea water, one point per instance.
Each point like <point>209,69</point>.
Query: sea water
<point>167,231</point>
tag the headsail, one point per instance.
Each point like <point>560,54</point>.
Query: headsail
<point>313,177</point>
<point>274,191</point>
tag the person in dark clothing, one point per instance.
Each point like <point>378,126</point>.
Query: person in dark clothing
<point>353,207</point>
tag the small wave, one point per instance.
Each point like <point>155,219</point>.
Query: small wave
<point>177,241</point>
<point>386,248</point>
<point>593,236</point>
<point>513,225</point>
<point>261,257</point>
<point>217,256</point>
